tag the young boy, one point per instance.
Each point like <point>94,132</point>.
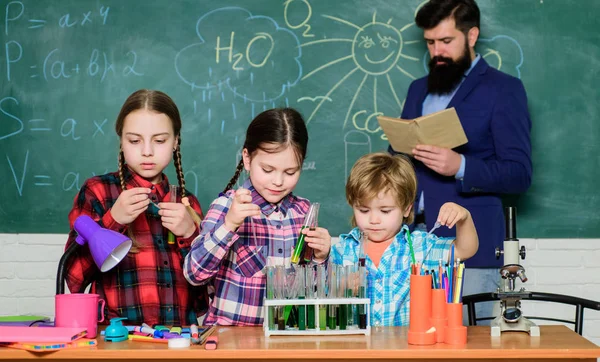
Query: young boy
<point>381,190</point>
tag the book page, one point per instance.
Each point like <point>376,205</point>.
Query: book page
<point>442,129</point>
<point>402,134</point>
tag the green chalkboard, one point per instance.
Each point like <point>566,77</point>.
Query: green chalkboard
<point>67,66</point>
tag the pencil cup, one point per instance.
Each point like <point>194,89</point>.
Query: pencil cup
<point>79,310</point>
<point>456,333</point>
<point>419,330</point>
<point>438,313</point>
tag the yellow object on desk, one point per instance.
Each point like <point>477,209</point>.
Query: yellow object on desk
<point>133,337</point>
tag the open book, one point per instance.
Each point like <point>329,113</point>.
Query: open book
<point>442,129</point>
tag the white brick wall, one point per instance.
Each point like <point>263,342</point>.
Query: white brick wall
<point>28,265</point>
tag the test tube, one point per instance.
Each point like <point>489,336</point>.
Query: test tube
<point>351,286</point>
<point>173,198</point>
<point>321,292</point>
<point>310,294</point>
<point>301,289</point>
<point>271,314</point>
<point>333,309</point>
<point>362,293</point>
<point>341,292</point>
<point>361,253</point>
<point>280,294</point>
<point>310,221</point>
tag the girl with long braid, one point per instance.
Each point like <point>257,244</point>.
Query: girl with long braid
<point>257,224</point>
<point>148,285</point>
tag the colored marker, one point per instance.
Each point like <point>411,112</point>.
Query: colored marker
<point>194,331</point>
<point>149,330</point>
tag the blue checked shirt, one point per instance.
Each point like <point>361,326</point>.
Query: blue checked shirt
<point>388,284</point>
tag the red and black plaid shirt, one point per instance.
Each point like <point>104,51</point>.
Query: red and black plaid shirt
<point>147,286</point>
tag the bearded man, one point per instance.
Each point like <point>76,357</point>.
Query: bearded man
<point>492,107</point>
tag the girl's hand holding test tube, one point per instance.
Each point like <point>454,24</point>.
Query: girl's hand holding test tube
<point>319,240</point>
<point>241,208</point>
<point>130,204</point>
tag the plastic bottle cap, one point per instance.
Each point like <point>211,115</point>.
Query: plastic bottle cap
<point>179,343</point>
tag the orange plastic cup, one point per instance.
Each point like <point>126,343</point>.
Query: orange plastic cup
<point>420,311</point>
<point>438,313</point>
<point>456,333</point>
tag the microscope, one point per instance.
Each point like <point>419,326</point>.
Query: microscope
<point>511,317</point>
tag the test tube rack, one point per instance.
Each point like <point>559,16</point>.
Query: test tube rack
<point>316,302</point>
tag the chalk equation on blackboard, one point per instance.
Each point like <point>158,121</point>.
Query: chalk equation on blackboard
<point>68,126</point>
<point>15,12</point>
<point>71,180</point>
<point>245,53</point>
<point>55,66</point>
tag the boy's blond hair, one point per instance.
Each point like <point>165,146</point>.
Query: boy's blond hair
<point>379,172</point>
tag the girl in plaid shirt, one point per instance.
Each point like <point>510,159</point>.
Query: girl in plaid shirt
<point>147,285</point>
<point>381,189</point>
<point>256,224</point>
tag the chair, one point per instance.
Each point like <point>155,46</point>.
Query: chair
<point>579,303</point>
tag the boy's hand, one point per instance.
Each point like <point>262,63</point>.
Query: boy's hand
<point>450,214</point>
<point>130,204</point>
<point>174,216</point>
<point>319,240</point>
<point>241,207</point>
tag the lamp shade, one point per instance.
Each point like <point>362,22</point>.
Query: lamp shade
<point>107,247</point>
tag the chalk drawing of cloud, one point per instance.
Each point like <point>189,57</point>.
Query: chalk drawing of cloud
<point>249,54</point>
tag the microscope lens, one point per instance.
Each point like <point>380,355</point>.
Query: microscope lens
<point>512,314</point>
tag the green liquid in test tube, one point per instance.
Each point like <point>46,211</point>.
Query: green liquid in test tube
<point>272,315</point>
<point>310,294</point>
<point>321,284</point>
<point>301,285</point>
<point>343,308</point>
<point>332,317</point>
<point>173,198</point>
<point>280,294</point>
<point>310,221</point>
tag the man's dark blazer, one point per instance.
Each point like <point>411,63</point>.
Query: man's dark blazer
<point>492,107</point>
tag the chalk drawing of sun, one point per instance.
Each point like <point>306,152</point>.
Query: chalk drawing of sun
<point>377,50</point>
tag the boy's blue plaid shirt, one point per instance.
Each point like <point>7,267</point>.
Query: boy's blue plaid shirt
<point>389,284</point>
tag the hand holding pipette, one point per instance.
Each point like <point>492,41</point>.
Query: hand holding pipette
<point>241,208</point>
<point>467,242</point>
<point>450,214</point>
<point>176,219</point>
<point>130,204</point>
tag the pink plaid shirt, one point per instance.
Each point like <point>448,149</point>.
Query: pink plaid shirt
<point>233,262</point>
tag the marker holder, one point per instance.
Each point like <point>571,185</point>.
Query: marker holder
<point>456,332</point>
<point>366,302</point>
<point>438,313</point>
<point>420,325</point>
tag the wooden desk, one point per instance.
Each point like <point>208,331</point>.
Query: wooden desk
<point>385,344</point>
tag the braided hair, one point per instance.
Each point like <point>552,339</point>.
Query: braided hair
<point>159,102</point>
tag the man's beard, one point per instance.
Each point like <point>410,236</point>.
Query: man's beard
<point>443,78</point>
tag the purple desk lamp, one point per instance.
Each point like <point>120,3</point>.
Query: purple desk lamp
<point>107,247</point>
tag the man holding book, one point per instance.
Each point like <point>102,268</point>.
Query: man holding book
<point>492,108</point>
